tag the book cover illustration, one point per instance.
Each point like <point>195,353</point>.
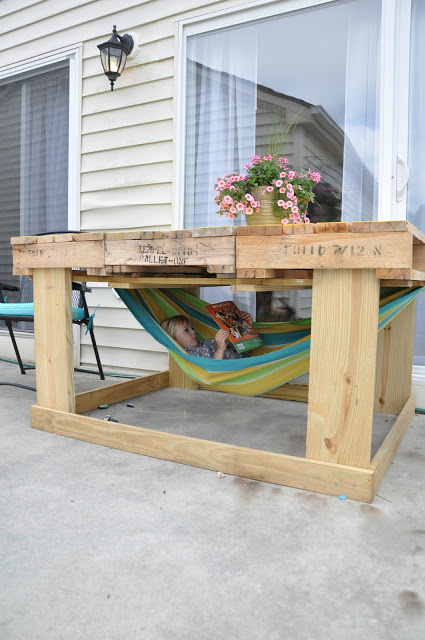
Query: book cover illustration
<point>228,316</point>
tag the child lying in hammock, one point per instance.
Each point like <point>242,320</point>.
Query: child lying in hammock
<point>180,328</point>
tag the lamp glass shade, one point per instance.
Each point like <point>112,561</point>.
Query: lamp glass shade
<point>113,60</point>
<point>113,55</point>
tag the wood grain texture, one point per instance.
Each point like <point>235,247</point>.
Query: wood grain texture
<point>53,339</point>
<point>278,284</point>
<point>333,227</point>
<point>394,363</point>
<point>325,251</point>
<point>89,400</point>
<point>342,366</point>
<point>418,262</point>
<point>332,479</point>
<point>388,449</point>
<point>172,251</point>
<point>64,254</point>
<point>178,377</point>
<point>296,392</point>
<point>388,226</point>
<point>204,232</point>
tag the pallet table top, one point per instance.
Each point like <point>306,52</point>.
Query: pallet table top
<point>249,256</point>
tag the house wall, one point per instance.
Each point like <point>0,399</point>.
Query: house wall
<point>127,147</point>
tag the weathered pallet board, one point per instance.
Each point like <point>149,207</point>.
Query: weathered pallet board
<point>326,251</point>
<point>66,254</point>
<point>395,248</point>
<point>219,251</point>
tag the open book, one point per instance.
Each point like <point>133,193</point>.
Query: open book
<point>228,316</point>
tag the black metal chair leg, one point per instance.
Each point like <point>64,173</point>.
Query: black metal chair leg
<point>96,353</point>
<point>15,346</point>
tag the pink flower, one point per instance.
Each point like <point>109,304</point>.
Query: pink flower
<point>282,190</point>
<point>292,216</point>
<point>279,183</point>
<point>249,197</point>
<point>291,174</point>
<point>233,210</point>
<point>295,210</point>
<point>306,219</point>
<point>283,174</point>
<point>280,203</point>
<point>269,189</point>
<point>239,206</point>
<point>227,199</point>
<point>229,215</point>
<point>249,211</point>
<point>284,221</point>
<point>221,184</point>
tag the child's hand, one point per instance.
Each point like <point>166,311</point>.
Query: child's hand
<point>247,317</point>
<point>220,338</point>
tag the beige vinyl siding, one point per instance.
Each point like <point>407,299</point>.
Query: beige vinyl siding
<point>127,147</point>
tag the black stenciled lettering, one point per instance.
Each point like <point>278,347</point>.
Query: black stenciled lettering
<point>339,250</point>
<point>377,251</point>
<point>360,250</point>
<point>321,250</point>
<point>147,248</point>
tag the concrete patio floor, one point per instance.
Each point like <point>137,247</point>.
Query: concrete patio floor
<point>98,543</point>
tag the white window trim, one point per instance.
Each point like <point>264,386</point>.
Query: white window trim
<point>74,56</point>
<point>392,140</point>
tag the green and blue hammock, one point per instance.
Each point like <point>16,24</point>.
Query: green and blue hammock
<point>284,356</point>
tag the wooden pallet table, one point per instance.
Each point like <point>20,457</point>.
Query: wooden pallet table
<point>354,372</point>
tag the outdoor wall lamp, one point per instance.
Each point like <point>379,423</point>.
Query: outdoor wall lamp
<point>114,53</point>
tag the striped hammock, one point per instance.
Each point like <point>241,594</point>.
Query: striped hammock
<point>284,356</point>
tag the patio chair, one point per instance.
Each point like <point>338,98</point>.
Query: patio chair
<point>23,311</point>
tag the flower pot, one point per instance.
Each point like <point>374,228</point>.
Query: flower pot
<point>265,215</point>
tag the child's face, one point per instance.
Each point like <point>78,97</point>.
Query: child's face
<point>186,336</point>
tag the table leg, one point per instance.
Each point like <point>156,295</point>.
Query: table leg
<point>53,339</point>
<point>342,366</point>
<point>394,362</point>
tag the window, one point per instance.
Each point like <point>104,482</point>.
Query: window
<point>34,133</point>
<point>310,74</point>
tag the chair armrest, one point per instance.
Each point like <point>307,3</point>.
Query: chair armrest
<point>80,286</point>
<point>8,287</point>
